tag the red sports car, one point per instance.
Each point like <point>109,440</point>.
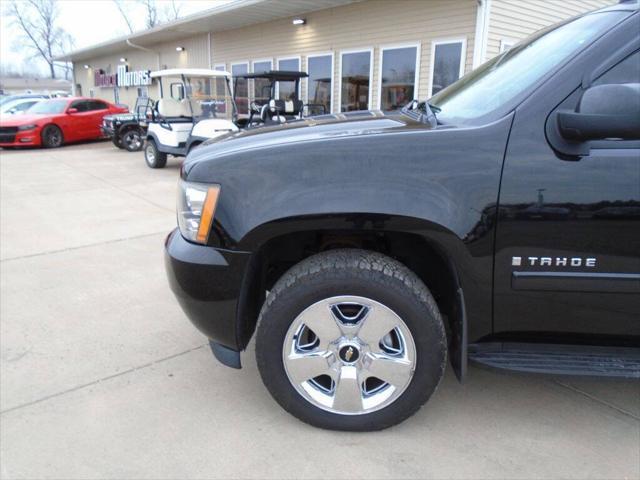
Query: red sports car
<point>51,123</point>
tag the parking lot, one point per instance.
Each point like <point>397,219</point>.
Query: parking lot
<point>102,375</point>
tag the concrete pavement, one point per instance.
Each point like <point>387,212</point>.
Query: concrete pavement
<point>102,376</point>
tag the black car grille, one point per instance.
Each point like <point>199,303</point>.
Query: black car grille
<point>8,134</point>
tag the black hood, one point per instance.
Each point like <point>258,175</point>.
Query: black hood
<point>320,128</point>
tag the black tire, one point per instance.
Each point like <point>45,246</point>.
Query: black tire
<point>132,140</point>
<point>52,137</point>
<point>116,141</point>
<point>153,157</point>
<point>357,273</point>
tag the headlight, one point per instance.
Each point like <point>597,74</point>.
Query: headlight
<point>26,127</point>
<point>196,207</point>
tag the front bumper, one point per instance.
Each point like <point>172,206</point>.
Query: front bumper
<point>207,283</point>
<point>106,131</point>
<point>26,138</point>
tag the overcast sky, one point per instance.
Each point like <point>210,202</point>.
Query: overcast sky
<point>90,22</point>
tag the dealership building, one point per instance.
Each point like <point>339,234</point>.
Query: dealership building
<point>358,53</point>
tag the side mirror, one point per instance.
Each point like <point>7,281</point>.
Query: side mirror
<point>72,110</point>
<point>11,111</point>
<point>604,112</point>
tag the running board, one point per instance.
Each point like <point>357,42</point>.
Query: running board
<point>559,359</point>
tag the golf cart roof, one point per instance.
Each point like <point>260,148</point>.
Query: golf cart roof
<point>190,72</point>
<point>277,75</point>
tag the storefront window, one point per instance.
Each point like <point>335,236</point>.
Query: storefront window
<point>261,86</point>
<point>222,100</point>
<point>355,81</point>
<point>448,64</point>
<point>286,90</point>
<point>398,77</point>
<point>320,83</point>
<point>240,85</point>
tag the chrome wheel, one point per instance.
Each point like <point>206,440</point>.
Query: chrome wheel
<point>349,355</point>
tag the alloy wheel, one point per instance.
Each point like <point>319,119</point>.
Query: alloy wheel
<point>349,355</point>
<point>133,141</point>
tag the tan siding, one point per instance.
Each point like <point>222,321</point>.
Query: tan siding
<point>369,24</point>
<point>513,20</point>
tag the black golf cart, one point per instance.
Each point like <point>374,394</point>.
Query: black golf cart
<point>266,108</point>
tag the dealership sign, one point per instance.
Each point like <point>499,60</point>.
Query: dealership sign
<point>122,78</point>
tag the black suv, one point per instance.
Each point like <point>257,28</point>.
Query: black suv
<point>499,222</point>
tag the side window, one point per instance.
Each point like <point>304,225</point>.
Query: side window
<point>24,106</point>
<point>97,105</point>
<point>627,71</point>
<point>80,105</point>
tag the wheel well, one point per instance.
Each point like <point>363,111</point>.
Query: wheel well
<point>126,128</point>
<point>279,254</point>
<point>193,145</point>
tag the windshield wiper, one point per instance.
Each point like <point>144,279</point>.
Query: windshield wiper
<point>422,112</point>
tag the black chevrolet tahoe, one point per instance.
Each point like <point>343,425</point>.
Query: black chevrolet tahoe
<point>497,223</point>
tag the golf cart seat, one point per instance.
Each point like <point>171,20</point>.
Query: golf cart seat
<point>281,110</point>
<point>288,108</point>
<point>170,108</point>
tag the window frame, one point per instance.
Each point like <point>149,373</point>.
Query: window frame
<point>398,46</point>
<point>331,54</point>
<point>292,57</point>
<point>233,64</point>
<point>342,53</point>
<point>233,83</point>
<point>446,41</point>
<point>252,92</point>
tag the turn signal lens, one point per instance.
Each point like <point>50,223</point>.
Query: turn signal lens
<point>208,211</point>
<point>196,209</point>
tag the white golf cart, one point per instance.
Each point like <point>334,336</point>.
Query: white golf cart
<point>195,105</point>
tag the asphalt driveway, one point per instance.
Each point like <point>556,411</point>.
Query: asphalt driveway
<point>102,375</point>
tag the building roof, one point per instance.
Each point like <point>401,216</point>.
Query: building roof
<point>236,14</point>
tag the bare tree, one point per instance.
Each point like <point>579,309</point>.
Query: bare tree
<point>151,13</point>
<point>172,10</point>
<point>37,22</point>
<point>153,16</point>
<point>125,15</point>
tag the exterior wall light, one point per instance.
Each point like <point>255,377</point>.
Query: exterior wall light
<point>123,59</point>
<point>299,21</point>
<point>87,66</point>
<point>180,49</point>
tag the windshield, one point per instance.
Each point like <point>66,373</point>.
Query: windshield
<point>209,97</point>
<point>49,106</point>
<point>495,84</point>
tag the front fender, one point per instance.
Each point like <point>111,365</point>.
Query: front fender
<point>441,183</point>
